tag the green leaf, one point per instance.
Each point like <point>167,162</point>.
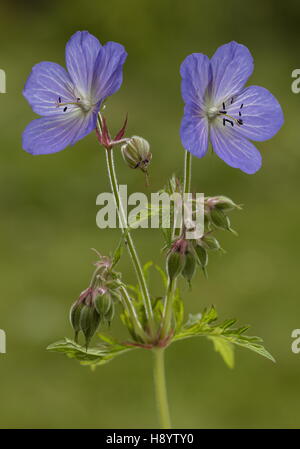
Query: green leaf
<point>223,335</point>
<point>225,349</point>
<point>93,357</point>
<point>209,315</point>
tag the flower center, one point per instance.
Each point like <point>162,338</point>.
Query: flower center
<point>81,103</point>
<point>212,112</point>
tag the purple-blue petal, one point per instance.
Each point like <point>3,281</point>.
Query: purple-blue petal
<point>196,76</point>
<point>108,72</point>
<point>235,150</point>
<point>81,53</point>
<point>260,112</point>
<point>194,131</point>
<point>46,83</point>
<point>51,134</point>
<point>231,66</point>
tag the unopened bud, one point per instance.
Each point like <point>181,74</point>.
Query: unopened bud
<point>75,317</point>
<point>189,267</point>
<point>89,322</point>
<point>102,302</point>
<point>210,242</point>
<point>175,264</point>
<point>219,219</point>
<point>222,202</point>
<point>176,259</point>
<point>136,153</point>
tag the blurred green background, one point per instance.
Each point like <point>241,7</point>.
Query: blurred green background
<point>48,224</point>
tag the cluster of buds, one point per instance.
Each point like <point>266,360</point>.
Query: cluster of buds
<point>136,153</point>
<point>181,260</point>
<point>185,255</point>
<point>95,304</point>
<point>216,209</point>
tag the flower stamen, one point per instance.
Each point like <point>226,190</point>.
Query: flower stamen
<point>66,104</point>
<point>233,120</point>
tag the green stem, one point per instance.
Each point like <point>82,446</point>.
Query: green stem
<point>129,241</point>
<point>167,315</point>
<point>138,329</point>
<point>168,309</point>
<point>161,389</point>
<point>187,172</point>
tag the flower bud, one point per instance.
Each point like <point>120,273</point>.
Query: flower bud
<point>219,219</point>
<point>102,302</point>
<point>222,202</point>
<point>176,259</point>
<point>175,264</point>
<point>89,322</point>
<point>189,267</point>
<point>136,153</point>
<point>75,317</point>
<point>210,242</point>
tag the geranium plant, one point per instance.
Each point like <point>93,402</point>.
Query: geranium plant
<point>218,109</point>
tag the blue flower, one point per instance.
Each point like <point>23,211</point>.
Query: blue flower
<point>69,101</point>
<point>219,108</point>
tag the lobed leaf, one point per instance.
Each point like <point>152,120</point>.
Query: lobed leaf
<point>224,336</point>
<point>93,357</point>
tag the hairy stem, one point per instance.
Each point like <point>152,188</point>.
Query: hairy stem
<point>130,245</point>
<point>161,389</point>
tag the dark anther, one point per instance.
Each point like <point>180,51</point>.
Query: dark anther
<point>65,108</point>
<point>241,105</point>
<point>240,122</point>
<point>231,100</point>
<point>78,99</point>
<point>240,114</point>
<point>222,112</point>
<point>226,120</point>
<point>59,99</point>
<point>224,106</point>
